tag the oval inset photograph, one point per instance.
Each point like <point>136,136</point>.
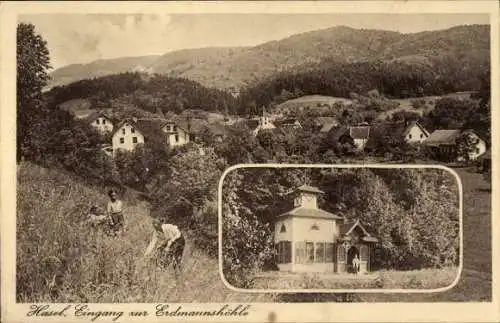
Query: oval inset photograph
<point>340,228</point>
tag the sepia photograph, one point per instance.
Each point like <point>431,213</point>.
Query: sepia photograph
<point>245,154</point>
<point>340,228</point>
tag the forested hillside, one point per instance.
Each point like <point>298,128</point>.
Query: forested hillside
<point>242,66</point>
<point>147,92</point>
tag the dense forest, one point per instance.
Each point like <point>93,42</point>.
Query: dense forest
<point>392,79</point>
<point>147,92</point>
<point>414,213</point>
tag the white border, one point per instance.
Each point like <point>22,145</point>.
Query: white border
<point>389,311</point>
<point>360,290</point>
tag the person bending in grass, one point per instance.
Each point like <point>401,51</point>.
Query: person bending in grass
<point>170,244</point>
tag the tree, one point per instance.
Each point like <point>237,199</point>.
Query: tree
<point>32,64</point>
<point>466,146</point>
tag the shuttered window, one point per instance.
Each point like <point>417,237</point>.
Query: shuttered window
<point>320,252</point>
<point>309,251</point>
<point>284,250</point>
<point>329,252</point>
<point>300,252</point>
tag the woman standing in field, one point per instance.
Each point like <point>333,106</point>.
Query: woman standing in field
<point>115,211</point>
<point>170,242</point>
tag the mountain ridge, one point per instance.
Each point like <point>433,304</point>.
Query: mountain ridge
<point>236,67</point>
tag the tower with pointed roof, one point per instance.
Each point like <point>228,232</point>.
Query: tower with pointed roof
<point>310,239</point>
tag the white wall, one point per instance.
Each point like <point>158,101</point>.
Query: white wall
<point>125,132</point>
<point>101,126</point>
<point>182,135</point>
<point>415,135</point>
<point>360,143</point>
<point>308,200</point>
<point>328,230</point>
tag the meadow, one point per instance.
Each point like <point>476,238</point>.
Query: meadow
<point>428,278</point>
<point>60,259</point>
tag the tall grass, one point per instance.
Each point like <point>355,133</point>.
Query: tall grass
<point>61,259</point>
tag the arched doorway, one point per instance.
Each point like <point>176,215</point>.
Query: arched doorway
<point>351,253</point>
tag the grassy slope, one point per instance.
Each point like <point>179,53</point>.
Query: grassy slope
<point>89,267</point>
<point>97,268</point>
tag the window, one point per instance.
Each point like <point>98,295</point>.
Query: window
<point>132,130</point>
<point>421,135</point>
<point>329,252</point>
<point>300,252</point>
<point>309,251</point>
<point>315,227</point>
<point>284,251</point>
<point>320,252</point>
<point>174,128</point>
<point>477,150</point>
<point>122,140</point>
<point>176,138</point>
<point>283,228</point>
<point>103,121</point>
<point>123,131</point>
<point>134,140</point>
<point>409,136</point>
<point>97,121</point>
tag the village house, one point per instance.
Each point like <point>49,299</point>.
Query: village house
<point>395,133</point>
<point>356,136</point>
<point>288,123</point>
<point>264,122</point>
<point>309,239</point>
<point>126,136</point>
<point>100,121</point>
<point>443,144</point>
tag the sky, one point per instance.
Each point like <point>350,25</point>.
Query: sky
<point>83,38</point>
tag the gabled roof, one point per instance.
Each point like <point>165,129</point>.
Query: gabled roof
<point>412,124</point>
<point>121,124</point>
<point>346,228</point>
<point>360,132</point>
<point>151,127</point>
<point>442,137</point>
<point>311,213</point>
<point>96,114</point>
<point>311,189</point>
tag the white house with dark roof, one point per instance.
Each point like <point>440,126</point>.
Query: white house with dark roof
<point>443,144</point>
<point>126,136</point>
<point>101,122</point>
<point>309,239</point>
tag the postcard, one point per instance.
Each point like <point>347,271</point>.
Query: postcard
<point>302,161</point>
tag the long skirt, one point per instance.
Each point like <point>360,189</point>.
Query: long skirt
<point>173,256</point>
